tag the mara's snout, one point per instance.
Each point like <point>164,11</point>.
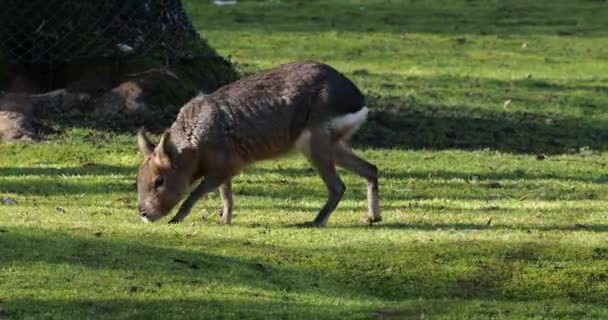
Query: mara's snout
<point>304,106</point>
<point>148,216</point>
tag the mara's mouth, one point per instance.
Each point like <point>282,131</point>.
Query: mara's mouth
<point>147,216</point>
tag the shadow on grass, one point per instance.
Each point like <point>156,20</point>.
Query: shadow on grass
<point>287,184</point>
<point>434,190</point>
<point>151,308</point>
<point>91,169</point>
<point>295,173</point>
<point>436,129</point>
<point>232,308</point>
<point>46,181</point>
<point>50,186</point>
<point>147,264</point>
<point>413,129</point>
<point>462,112</point>
<point>478,227</point>
<point>145,260</point>
<point>302,172</point>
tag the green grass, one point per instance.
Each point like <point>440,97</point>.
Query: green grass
<point>491,212</point>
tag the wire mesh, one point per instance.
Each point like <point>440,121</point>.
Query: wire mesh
<point>51,31</point>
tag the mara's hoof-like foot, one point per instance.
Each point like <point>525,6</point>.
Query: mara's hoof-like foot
<point>174,221</point>
<point>308,224</point>
<point>371,220</point>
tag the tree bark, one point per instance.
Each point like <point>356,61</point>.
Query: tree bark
<point>134,56</point>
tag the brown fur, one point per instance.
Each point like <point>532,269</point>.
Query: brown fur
<point>256,118</point>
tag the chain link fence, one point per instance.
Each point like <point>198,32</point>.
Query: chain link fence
<point>52,31</point>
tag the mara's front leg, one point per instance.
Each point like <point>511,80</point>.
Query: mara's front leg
<point>209,184</point>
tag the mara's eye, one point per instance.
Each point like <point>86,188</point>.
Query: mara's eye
<point>159,182</point>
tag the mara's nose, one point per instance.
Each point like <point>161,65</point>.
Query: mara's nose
<point>142,211</point>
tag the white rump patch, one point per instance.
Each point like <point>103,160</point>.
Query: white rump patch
<point>346,124</point>
<point>349,122</point>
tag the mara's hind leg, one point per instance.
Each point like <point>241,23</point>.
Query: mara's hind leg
<point>322,158</point>
<point>346,159</point>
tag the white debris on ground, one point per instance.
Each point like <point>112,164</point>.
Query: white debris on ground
<point>224,2</point>
<point>9,202</point>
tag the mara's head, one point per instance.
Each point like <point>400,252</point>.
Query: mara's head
<point>160,181</point>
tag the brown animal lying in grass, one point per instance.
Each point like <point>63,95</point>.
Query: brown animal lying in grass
<point>304,106</point>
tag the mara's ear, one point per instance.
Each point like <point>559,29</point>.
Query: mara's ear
<point>145,146</point>
<point>165,151</point>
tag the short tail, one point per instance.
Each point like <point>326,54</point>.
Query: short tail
<point>344,126</point>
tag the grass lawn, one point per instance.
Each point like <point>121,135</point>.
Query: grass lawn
<point>490,131</point>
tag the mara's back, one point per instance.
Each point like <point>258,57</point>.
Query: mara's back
<point>263,115</point>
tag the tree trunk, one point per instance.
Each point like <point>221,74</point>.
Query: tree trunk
<point>89,62</point>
